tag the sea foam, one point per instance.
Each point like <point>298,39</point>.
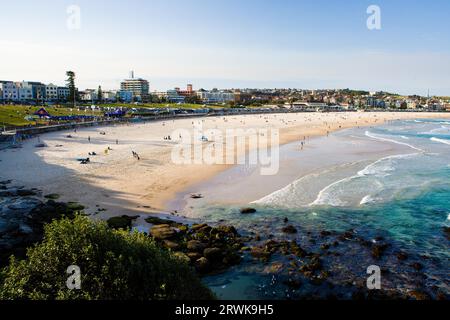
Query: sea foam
<point>440,140</point>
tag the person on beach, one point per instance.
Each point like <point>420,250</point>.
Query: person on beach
<point>89,139</point>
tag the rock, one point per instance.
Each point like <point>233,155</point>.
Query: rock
<point>194,256</point>
<point>447,232</point>
<point>247,210</point>
<point>202,265</point>
<point>228,230</point>
<point>24,204</point>
<point>260,253</point>
<point>419,295</point>
<point>183,257</point>
<point>170,244</point>
<point>417,266</point>
<point>297,250</point>
<point>157,221</point>
<point>75,206</point>
<point>196,227</point>
<point>402,256</point>
<point>325,233</point>
<point>276,267</point>
<point>162,232</point>
<point>378,250</point>
<point>52,196</point>
<point>25,193</point>
<point>290,229</point>
<point>122,222</point>
<point>213,254</point>
<point>348,235</point>
<point>196,246</point>
<point>205,229</point>
<point>231,259</point>
<point>314,265</point>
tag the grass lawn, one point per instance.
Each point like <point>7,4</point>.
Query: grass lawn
<point>14,115</point>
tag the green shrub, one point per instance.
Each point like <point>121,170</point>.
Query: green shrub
<point>115,265</point>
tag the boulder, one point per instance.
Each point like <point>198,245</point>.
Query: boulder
<point>202,265</point>
<point>162,232</point>
<point>213,254</point>
<point>24,204</point>
<point>290,229</point>
<point>260,253</point>
<point>402,256</point>
<point>417,266</point>
<point>194,256</point>
<point>25,193</point>
<point>156,221</point>
<point>195,246</point>
<point>419,295</point>
<point>378,250</point>
<point>231,259</point>
<point>183,257</point>
<point>447,232</point>
<point>170,245</point>
<point>247,210</point>
<point>122,222</point>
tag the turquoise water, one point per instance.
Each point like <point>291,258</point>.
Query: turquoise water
<point>403,199</point>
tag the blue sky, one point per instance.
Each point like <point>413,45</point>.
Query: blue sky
<point>230,43</point>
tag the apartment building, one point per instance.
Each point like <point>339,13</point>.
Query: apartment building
<point>215,96</point>
<point>139,87</point>
<point>63,93</point>
<point>51,92</point>
<point>10,91</point>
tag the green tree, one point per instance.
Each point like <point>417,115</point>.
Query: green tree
<point>114,265</point>
<point>70,82</point>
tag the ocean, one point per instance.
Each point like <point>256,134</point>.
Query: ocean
<point>386,186</point>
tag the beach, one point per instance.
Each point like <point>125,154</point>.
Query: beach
<point>115,182</point>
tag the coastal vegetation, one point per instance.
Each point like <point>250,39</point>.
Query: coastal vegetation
<point>114,265</point>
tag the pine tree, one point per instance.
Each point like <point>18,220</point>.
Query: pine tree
<point>100,94</point>
<point>70,82</point>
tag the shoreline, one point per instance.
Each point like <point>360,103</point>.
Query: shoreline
<point>116,184</point>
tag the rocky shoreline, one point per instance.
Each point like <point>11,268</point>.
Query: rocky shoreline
<point>294,262</point>
<point>208,249</point>
<point>23,214</point>
<point>300,264</point>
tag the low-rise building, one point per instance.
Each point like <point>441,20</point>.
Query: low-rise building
<point>51,92</point>
<point>63,93</point>
<point>125,96</point>
<point>109,96</point>
<point>25,92</point>
<point>88,95</point>
<point>10,91</point>
<point>215,96</point>
<point>174,96</point>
